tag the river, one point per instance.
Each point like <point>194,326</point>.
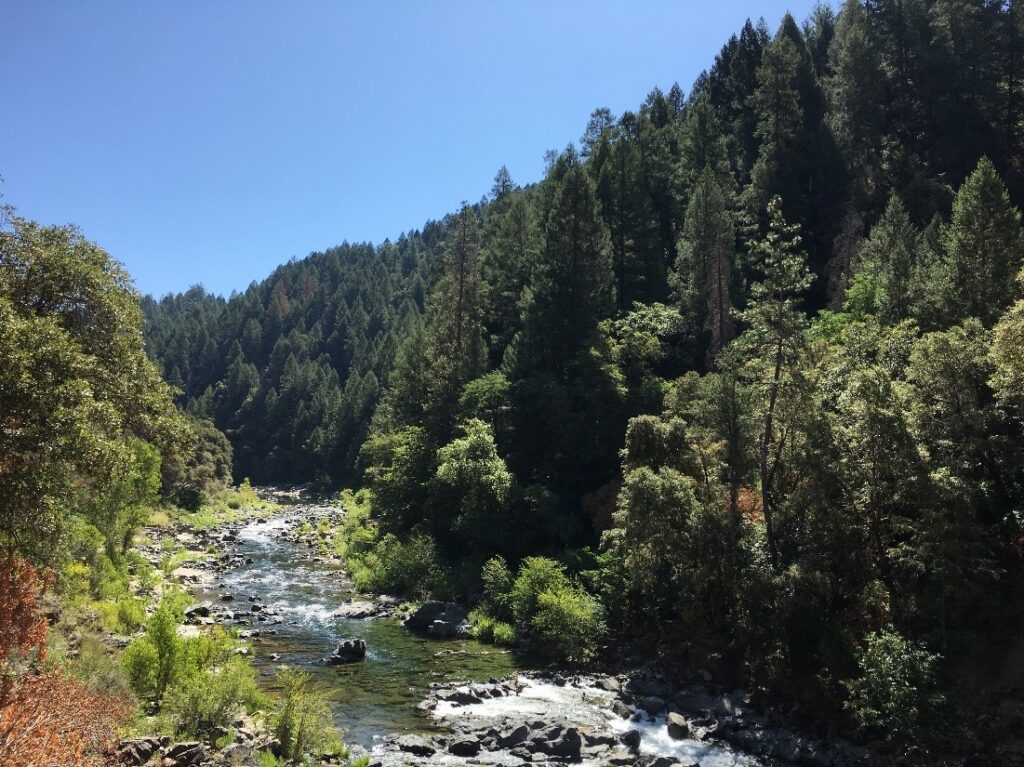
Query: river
<point>379,697</point>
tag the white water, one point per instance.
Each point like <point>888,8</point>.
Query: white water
<point>591,707</point>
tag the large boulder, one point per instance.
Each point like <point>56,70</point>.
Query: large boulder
<point>440,620</point>
<point>464,747</point>
<point>565,745</point>
<point>357,610</point>
<point>185,754</point>
<point>415,745</point>
<point>678,727</point>
<point>198,610</point>
<point>136,751</point>
<point>349,651</point>
<point>513,737</point>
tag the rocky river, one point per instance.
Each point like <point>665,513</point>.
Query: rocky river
<point>419,700</point>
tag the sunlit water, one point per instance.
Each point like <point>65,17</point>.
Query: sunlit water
<point>380,695</point>
<point>371,698</point>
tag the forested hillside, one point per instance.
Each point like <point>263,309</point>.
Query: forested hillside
<point>292,368</point>
<point>747,362</point>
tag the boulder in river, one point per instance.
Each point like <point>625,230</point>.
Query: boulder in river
<point>440,620</point>
<point>349,651</point>
<point>358,609</point>
<point>678,728</point>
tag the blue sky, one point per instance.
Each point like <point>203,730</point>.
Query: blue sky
<point>208,142</point>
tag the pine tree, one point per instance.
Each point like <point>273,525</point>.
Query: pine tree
<point>706,262</point>
<point>883,284</point>
<point>984,248</point>
<point>572,287</point>
<point>772,343</point>
<point>855,90</point>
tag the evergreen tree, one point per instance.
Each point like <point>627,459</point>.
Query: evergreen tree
<point>772,343</point>
<point>855,89</point>
<point>983,247</point>
<point>705,265</point>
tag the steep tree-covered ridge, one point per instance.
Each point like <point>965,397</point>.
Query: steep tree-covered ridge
<point>746,361</point>
<point>291,369</point>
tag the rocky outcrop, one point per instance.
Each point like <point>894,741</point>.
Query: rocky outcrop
<point>136,751</point>
<point>439,620</point>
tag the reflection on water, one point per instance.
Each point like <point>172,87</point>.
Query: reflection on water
<point>370,698</point>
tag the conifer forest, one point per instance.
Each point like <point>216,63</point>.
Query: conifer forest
<point>719,423</point>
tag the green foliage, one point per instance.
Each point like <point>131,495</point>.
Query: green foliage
<point>210,697</point>
<point>399,567</point>
<point>301,718</point>
<point>158,658</point>
<point>77,421</point>
<point>895,693</point>
<point>474,488</point>
<point>568,621</point>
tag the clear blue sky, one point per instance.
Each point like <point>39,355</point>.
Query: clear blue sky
<point>207,142</point>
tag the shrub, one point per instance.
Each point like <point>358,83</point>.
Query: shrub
<point>202,700</point>
<point>301,719</point>
<point>45,718</point>
<point>97,669</point>
<point>191,497</point>
<point>895,693</point>
<point>482,626</point>
<point>396,567</point>
<point>536,575</point>
<point>75,581</point>
<point>122,616</point>
<point>154,660</point>
<point>497,580</point>
<point>569,622</point>
<point>503,635</point>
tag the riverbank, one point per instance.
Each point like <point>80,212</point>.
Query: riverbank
<point>444,702</point>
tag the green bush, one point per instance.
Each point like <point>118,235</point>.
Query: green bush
<point>482,626</point>
<point>895,695</point>
<point>122,616</point>
<point>397,567</point>
<point>155,659</point>
<point>97,669</point>
<point>191,497</point>
<point>536,575</point>
<point>503,635</point>
<point>497,580</point>
<point>160,658</point>
<point>301,719</point>
<point>202,700</point>
<point>569,622</point>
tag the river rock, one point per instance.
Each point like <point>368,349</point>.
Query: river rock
<point>137,751</point>
<point>465,747</point>
<point>199,610</point>
<point>631,739</point>
<point>458,697</point>
<point>237,754</point>
<point>678,728</point>
<point>513,737</point>
<point>357,609</point>
<point>185,754</point>
<point>652,704</point>
<point>349,651</point>
<point>440,620</point>
<point>566,744</point>
<point>415,745</point>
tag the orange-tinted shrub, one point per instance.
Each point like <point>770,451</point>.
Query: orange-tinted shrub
<point>749,504</point>
<point>47,719</point>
